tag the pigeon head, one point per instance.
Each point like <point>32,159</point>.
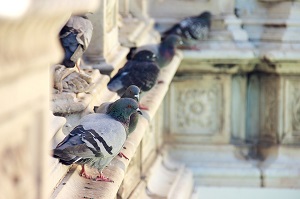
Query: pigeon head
<point>132,92</point>
<point>122,109</point>
<point>172,40</point>
<point>145,55</point>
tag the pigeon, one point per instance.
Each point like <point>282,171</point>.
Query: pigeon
<point>141,71</point>
<point>164,51</point>
<point>75,37</point>
<point>191,28</point>
<point>98,138</point>
<point>133,93</point>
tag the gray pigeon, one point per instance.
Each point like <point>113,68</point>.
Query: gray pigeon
<point>132,92</point>
<point>164,51</point>
<point>98,138</point>
<point>75,37</point>
<point>191,28</point>
<point>141,71</point>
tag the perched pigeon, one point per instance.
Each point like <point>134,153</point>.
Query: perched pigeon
<point>132,92</point>
<point>75,37</point>
<point>164,51</point>
<point>141,71</point>
<point>191,28</point>
<point>98,138</point>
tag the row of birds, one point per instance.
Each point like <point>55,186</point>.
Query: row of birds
<point>100,136</point>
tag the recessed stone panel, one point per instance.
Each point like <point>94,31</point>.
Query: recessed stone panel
<point>291,131</point>
<point>199,106</point>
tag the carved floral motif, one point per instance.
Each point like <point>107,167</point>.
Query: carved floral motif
<point>197,108</point>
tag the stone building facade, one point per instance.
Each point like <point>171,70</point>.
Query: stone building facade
<point>226,115</point>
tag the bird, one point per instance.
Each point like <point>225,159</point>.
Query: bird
<point>132,92</point>
<point>75,38</point>
<point>164,51</point>
<point>191,28</point>
<point>141,70</point>
<point>97,138</point>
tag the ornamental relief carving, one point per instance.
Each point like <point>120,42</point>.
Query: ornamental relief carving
<point>197,108</point>
<point>270,89</point>
<point>295,107</point>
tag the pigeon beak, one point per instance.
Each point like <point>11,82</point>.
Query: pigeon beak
<point>137,97</point>
<point>139,111</point>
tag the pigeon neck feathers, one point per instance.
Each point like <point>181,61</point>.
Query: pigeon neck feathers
<point>122,109</point>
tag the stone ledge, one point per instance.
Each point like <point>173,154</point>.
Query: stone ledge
<point>283,172</point>
<point>213,58</point>
<point>75,186</point>
<point>215,166</point>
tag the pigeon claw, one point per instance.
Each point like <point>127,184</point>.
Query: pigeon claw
<point>102,178</point>
<point>84,174</point>
<point>122,155</point>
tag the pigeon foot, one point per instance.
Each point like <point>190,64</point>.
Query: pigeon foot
<point>122,155</point>
<point>102,178</point>
<point>84,174</point>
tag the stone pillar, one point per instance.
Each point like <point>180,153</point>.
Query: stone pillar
<point>29,45</point>
<point>104,52</point>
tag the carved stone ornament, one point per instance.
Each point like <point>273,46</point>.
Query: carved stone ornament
<point>197,109</point>
<point>295,104</point>
<point>269,88</point>
<point>291,133</point>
